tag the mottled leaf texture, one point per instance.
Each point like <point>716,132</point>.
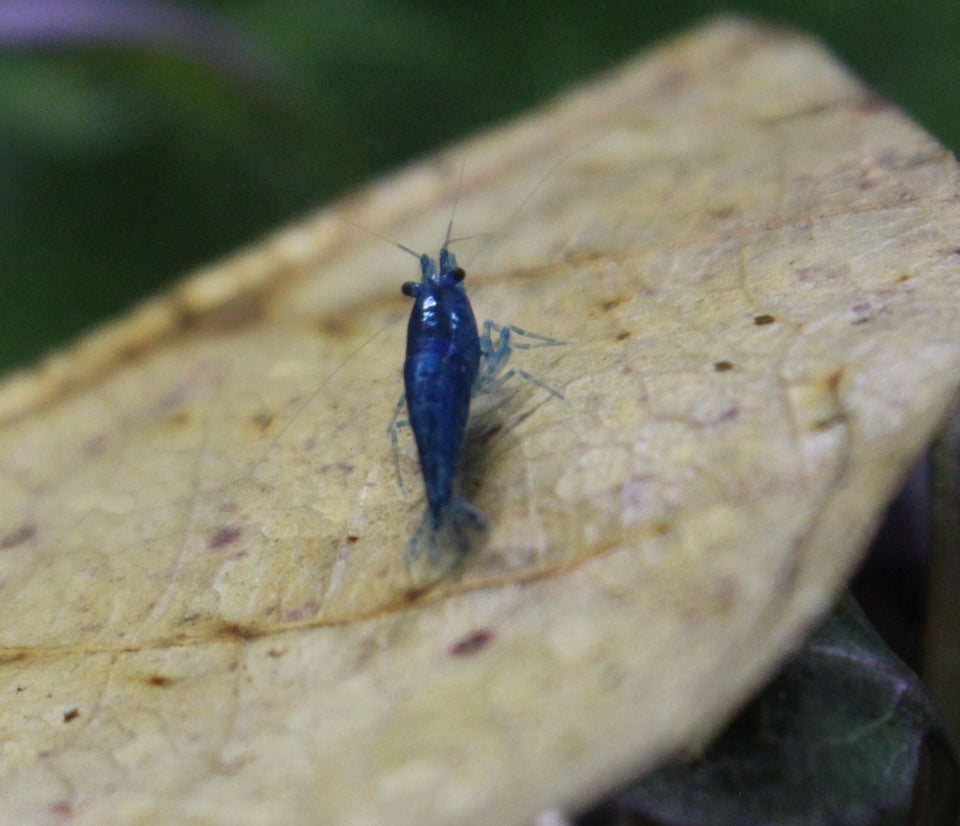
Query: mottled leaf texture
<point>204,612</point>
<point>846,735</point>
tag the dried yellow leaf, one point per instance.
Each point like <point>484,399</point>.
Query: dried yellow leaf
<point>205,614</point>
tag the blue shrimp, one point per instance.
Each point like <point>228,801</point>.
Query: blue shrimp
<point>447,361</point>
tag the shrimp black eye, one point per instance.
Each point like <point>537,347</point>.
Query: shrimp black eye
<point>409,288</point>
<point>458,274</point>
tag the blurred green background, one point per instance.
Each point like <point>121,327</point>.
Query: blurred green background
<point>139,140</point>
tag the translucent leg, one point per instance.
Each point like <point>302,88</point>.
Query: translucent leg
<point>395,424</point>
<point>495,355</point>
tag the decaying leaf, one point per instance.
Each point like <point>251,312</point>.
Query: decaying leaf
<point>205,615</point>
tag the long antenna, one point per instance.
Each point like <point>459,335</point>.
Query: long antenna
<point>382,237</point>
<point>516,212</point>
<point>456,201</point>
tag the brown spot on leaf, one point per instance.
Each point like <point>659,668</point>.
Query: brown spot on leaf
<point>623,336</point>
<point>159,680</point>
<point>352,538</point>
<point>346,467</point>
<point>834,379</point>
<point>611,303</point>
<point>722,366</point>
<point>262,421</point>
<point>862,312</point>
<point>723,212</point>
<point>18,536</point>
<point>224,536</point>
<point>179,419</point>
<point>765,318</point>
<point>337,325</point>
<point>472,643</point>
<point>243,632</point>
<point>71,714</point>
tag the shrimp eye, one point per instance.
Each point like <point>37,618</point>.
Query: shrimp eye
<point>409,288</point>
<point>458,274</point>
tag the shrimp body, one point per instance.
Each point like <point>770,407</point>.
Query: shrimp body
<point>439,373</point>
<point>448,361</point>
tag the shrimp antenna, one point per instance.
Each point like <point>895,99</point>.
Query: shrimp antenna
<point>382,237</point>
<point>453,213</point>
<point>516,212</point>
<point>460,238</point>
<point>446,238</point>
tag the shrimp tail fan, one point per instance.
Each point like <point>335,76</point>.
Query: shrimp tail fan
<point>445,536</point>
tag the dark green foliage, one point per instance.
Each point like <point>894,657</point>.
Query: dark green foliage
<point>846,735</point>
<point>122,163</point>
